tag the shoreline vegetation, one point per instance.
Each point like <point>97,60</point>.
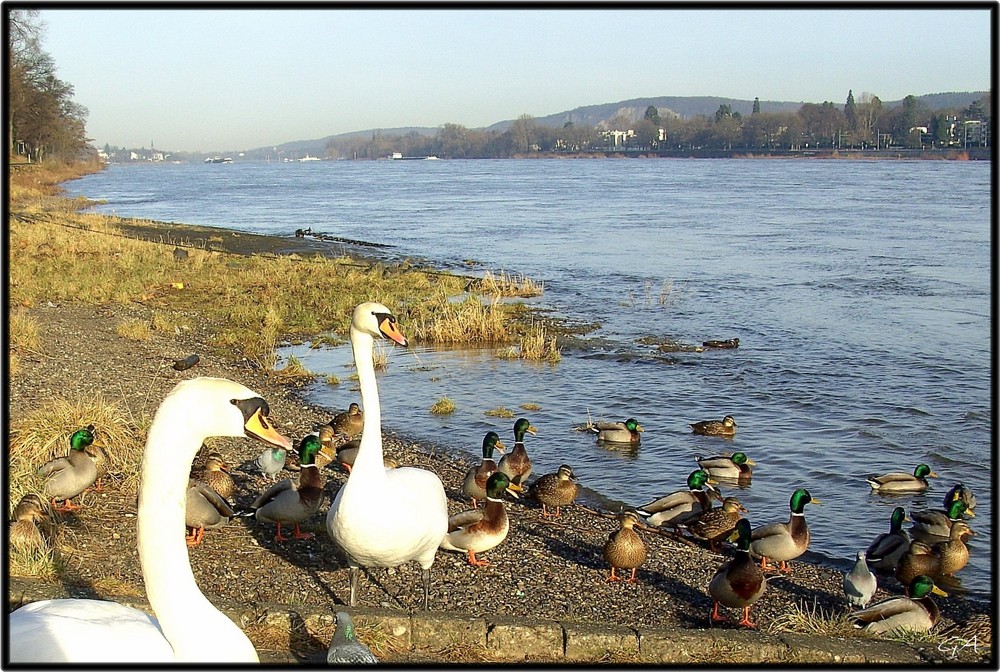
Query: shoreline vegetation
<point>93,308</point>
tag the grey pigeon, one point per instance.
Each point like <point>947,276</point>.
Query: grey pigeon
<point>345,649</point>
<point>860,583</point>
<point>271,461</point>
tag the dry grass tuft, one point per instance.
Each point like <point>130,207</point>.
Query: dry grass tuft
<point>535,346</point>
<point>468,321</point>
<point>294,371</point>
<point>443,406</point>
<point>531,406</point>
<point>134,330</point>
<point>380,357</point>
<point>506,285</point>
<point>813,620</point>
<point>499,412</point>
<point>23,333</point>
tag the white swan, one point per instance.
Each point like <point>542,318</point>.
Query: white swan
<point>187,627</point>
<point>383,518</point>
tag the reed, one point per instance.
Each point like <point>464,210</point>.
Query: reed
<point>443,406</point>
<point>537,345</point>
<point>499,412</point>
<point>508,285</point>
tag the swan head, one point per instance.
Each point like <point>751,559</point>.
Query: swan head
<point>377,321</point>
<point>220,407</point>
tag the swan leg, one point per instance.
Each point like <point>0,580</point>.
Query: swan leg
<point>746,618</point>
<point>302,535</point>
<point>354,584</point>
<point>716,616</point>
<point>425,576</point>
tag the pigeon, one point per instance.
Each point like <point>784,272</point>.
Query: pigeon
<point>271,461</point>
<point>345,649</point>
<point>860,583</point>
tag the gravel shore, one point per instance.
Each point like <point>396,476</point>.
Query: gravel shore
<point>546,569</point>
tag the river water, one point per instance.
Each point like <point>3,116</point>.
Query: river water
<point>860,292</point>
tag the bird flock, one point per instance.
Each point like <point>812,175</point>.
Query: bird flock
<point>384,516</point>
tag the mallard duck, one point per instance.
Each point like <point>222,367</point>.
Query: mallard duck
<point>618,432</point>
<point>916,612</point>
<point>860,583</point>
<point>624,548</point>
<point>728,343</point>
<point>23,532</point>
<point>291,502</point>
<point>555,490</point>
<point>682,506</point>
<point>100,456</point>
<point>187,627</point>
<point>954,554</point>
<point>962,492</point>
<point>384,517</point>
<point>474,485</point>
<point>735,467</point>
<point>204,509</point>
<point>918,559</point>
<point>349,423</point>
<point>476,531</point>
<point>784,541</point>
<point>725,427</point>
<point>738,583</point>
<point>271,461</point>
<point>885,551</point>
<point>345,649</point>
<point>902,482</point>
<point>215,474</point>
<point>934,525</point>
<point>66,477</point>
<point>715,525</point>
<point>516,464</point>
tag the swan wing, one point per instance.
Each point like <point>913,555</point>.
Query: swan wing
<point>85,631</point>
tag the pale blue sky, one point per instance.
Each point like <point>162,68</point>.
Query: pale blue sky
<point>198,80</point>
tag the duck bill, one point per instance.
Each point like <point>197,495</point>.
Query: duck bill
<point>512,490</point>
<point>390,329</point>
<point>938,591</point>
<point>815,501</point>
<point>499,446</point>
<point>259,427</point>
<point>754,464</point>
<point>932,475</point>
<point>639,428</point>
<point>531,429</point>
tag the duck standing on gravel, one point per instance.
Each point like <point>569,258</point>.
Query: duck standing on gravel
<point>474,484</point>
<point>555,490</point>
<point>66,477</point>
<point>916,612</point>
<point>885,551</point>
<point>860,583</point>
<point>477,531</point>
<point>683,505</point>
<point>715,525</point>
<point>289,502</point>
<point>899,482</point>
<point>782,542</point>
<point>738,583</point>
<point>624,548</point>
<point>725,427</point>
<point>516,464</point>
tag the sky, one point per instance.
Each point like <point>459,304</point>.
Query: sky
<point>233,79</point>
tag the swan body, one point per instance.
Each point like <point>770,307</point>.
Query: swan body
<point>380,517</point>
<point>682,506</point>
<point>902,482</point>
<point>860,583</point>
<point>187,627</point>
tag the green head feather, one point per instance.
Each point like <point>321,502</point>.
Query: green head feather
<point>307,449</point>
<point>896,521</point>
<point>697,479</point>
<point>82,438</point>
<point>490,444</point>
<point>799,499</point>
<point>497,484</point>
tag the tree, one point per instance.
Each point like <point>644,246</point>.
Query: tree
<point>756,106</point>
<point>851,111</point>
<point>725,112</point>
<point>869,113</point>
<point>522,132</point>
<point>652,115</point>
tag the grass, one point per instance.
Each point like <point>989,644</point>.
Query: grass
<point>499,412</point>
<point>23,333</point>
<point>537,345</point>
<point>531,406</point>
<point>294,371</point>
<point>507,285</point>
<point>134,330</point>
<point>443,406</point>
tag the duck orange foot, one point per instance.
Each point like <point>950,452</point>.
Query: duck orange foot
<point>477,562</point>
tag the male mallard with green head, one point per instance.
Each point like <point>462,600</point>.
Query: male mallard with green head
<point>618,432</point>
<point>624,548</point>
<point>717,524</point>
<point>555,490</point>
<point>885,551</point>
<point>67,477</point>
<point>289,502</point>
<point>516,464</point>
<point>683,505</point>
<point>735,467</point>
<point>963,493</point>
<point>896,482</point>
<point>916,612</point>
<point>738,583</point>
<point>935,525</point>
<point>725,427</point>
<point>474,484</point>
<point>477,531</point>
<point>782,542</point>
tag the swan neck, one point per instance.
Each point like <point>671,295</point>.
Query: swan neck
<point>369,458</point>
